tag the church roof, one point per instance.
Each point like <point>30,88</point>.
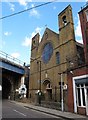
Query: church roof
<point>79,44</point>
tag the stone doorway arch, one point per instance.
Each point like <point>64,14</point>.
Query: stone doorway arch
<point>47,89</point>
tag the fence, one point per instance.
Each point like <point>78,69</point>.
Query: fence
<point>53,99</point>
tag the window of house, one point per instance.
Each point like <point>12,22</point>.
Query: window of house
<point>81,95</point>
<point>57,57</point>
<point>64,20</point>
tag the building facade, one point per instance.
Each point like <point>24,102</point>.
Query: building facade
<point>49,59</point>
<point>78,79</point>
<point>83,15</point>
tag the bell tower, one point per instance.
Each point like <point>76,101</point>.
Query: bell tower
<point>35,44</point>
<point>66,25</point>
<point>66,34</point>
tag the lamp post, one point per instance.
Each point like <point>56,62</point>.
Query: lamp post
<point>39,93</point>
<point>62,102</point>
<point>40,84</point>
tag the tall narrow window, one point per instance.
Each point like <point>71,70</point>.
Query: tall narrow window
<point>79,98</point>
<point>37,66</point>
<point>57,58</point>
<point>83,95</point>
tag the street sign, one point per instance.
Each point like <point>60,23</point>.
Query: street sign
<point>22,89</point>
<point>65,87</point>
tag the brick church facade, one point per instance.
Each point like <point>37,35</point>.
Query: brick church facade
<point>51,57</point>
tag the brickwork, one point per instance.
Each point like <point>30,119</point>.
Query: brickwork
<point>70,94</point>
<point>10,84</point>
<point>81,110</point>
<point>84,27</point>
<point>83,70</point>
<point>66,46</point>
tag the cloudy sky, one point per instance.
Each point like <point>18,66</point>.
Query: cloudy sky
<point>18,30</point>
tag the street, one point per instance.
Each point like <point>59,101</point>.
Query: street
<point>13,110</point>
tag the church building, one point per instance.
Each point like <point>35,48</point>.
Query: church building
<point>50,60</point>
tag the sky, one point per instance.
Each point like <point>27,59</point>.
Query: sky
<point>17,31</point>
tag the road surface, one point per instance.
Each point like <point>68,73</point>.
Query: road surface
<point>13,110</point>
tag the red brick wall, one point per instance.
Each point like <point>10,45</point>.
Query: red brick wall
<point>81,110</point>
<point>84,28</point>
<point>70,94</point>
<point>77,72</point>
<point>80,71</point>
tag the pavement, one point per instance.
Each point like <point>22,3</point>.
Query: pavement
<point>64,115</point>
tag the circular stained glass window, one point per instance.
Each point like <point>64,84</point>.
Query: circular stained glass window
<point>47,52</point>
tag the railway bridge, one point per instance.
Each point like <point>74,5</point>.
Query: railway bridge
<point>12,71</point>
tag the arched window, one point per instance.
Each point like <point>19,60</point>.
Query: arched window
<point>47,52</point>
<point>64,20</point>
<point>57,58</point>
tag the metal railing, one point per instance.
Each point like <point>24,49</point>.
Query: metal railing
<point>10,58</point>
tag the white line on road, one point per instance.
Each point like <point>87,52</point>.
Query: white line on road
<point>26,108</point>
<point>19,112</point>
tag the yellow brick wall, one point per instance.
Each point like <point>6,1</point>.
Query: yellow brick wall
<point>64,43</point>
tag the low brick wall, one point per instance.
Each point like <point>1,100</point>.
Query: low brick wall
<point>81,110</point>
<point>54,105</point>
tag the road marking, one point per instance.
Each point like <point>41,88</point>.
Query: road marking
<point>26,108</point>
<point>19,112</point>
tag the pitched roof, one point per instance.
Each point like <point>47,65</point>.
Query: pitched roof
<point>79,44</point>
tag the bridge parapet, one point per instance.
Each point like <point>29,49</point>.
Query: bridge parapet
<point>12,64</point>
<point>6,57</point>
<point>3,60</point>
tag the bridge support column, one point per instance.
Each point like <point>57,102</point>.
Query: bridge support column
<point>12,95</point>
